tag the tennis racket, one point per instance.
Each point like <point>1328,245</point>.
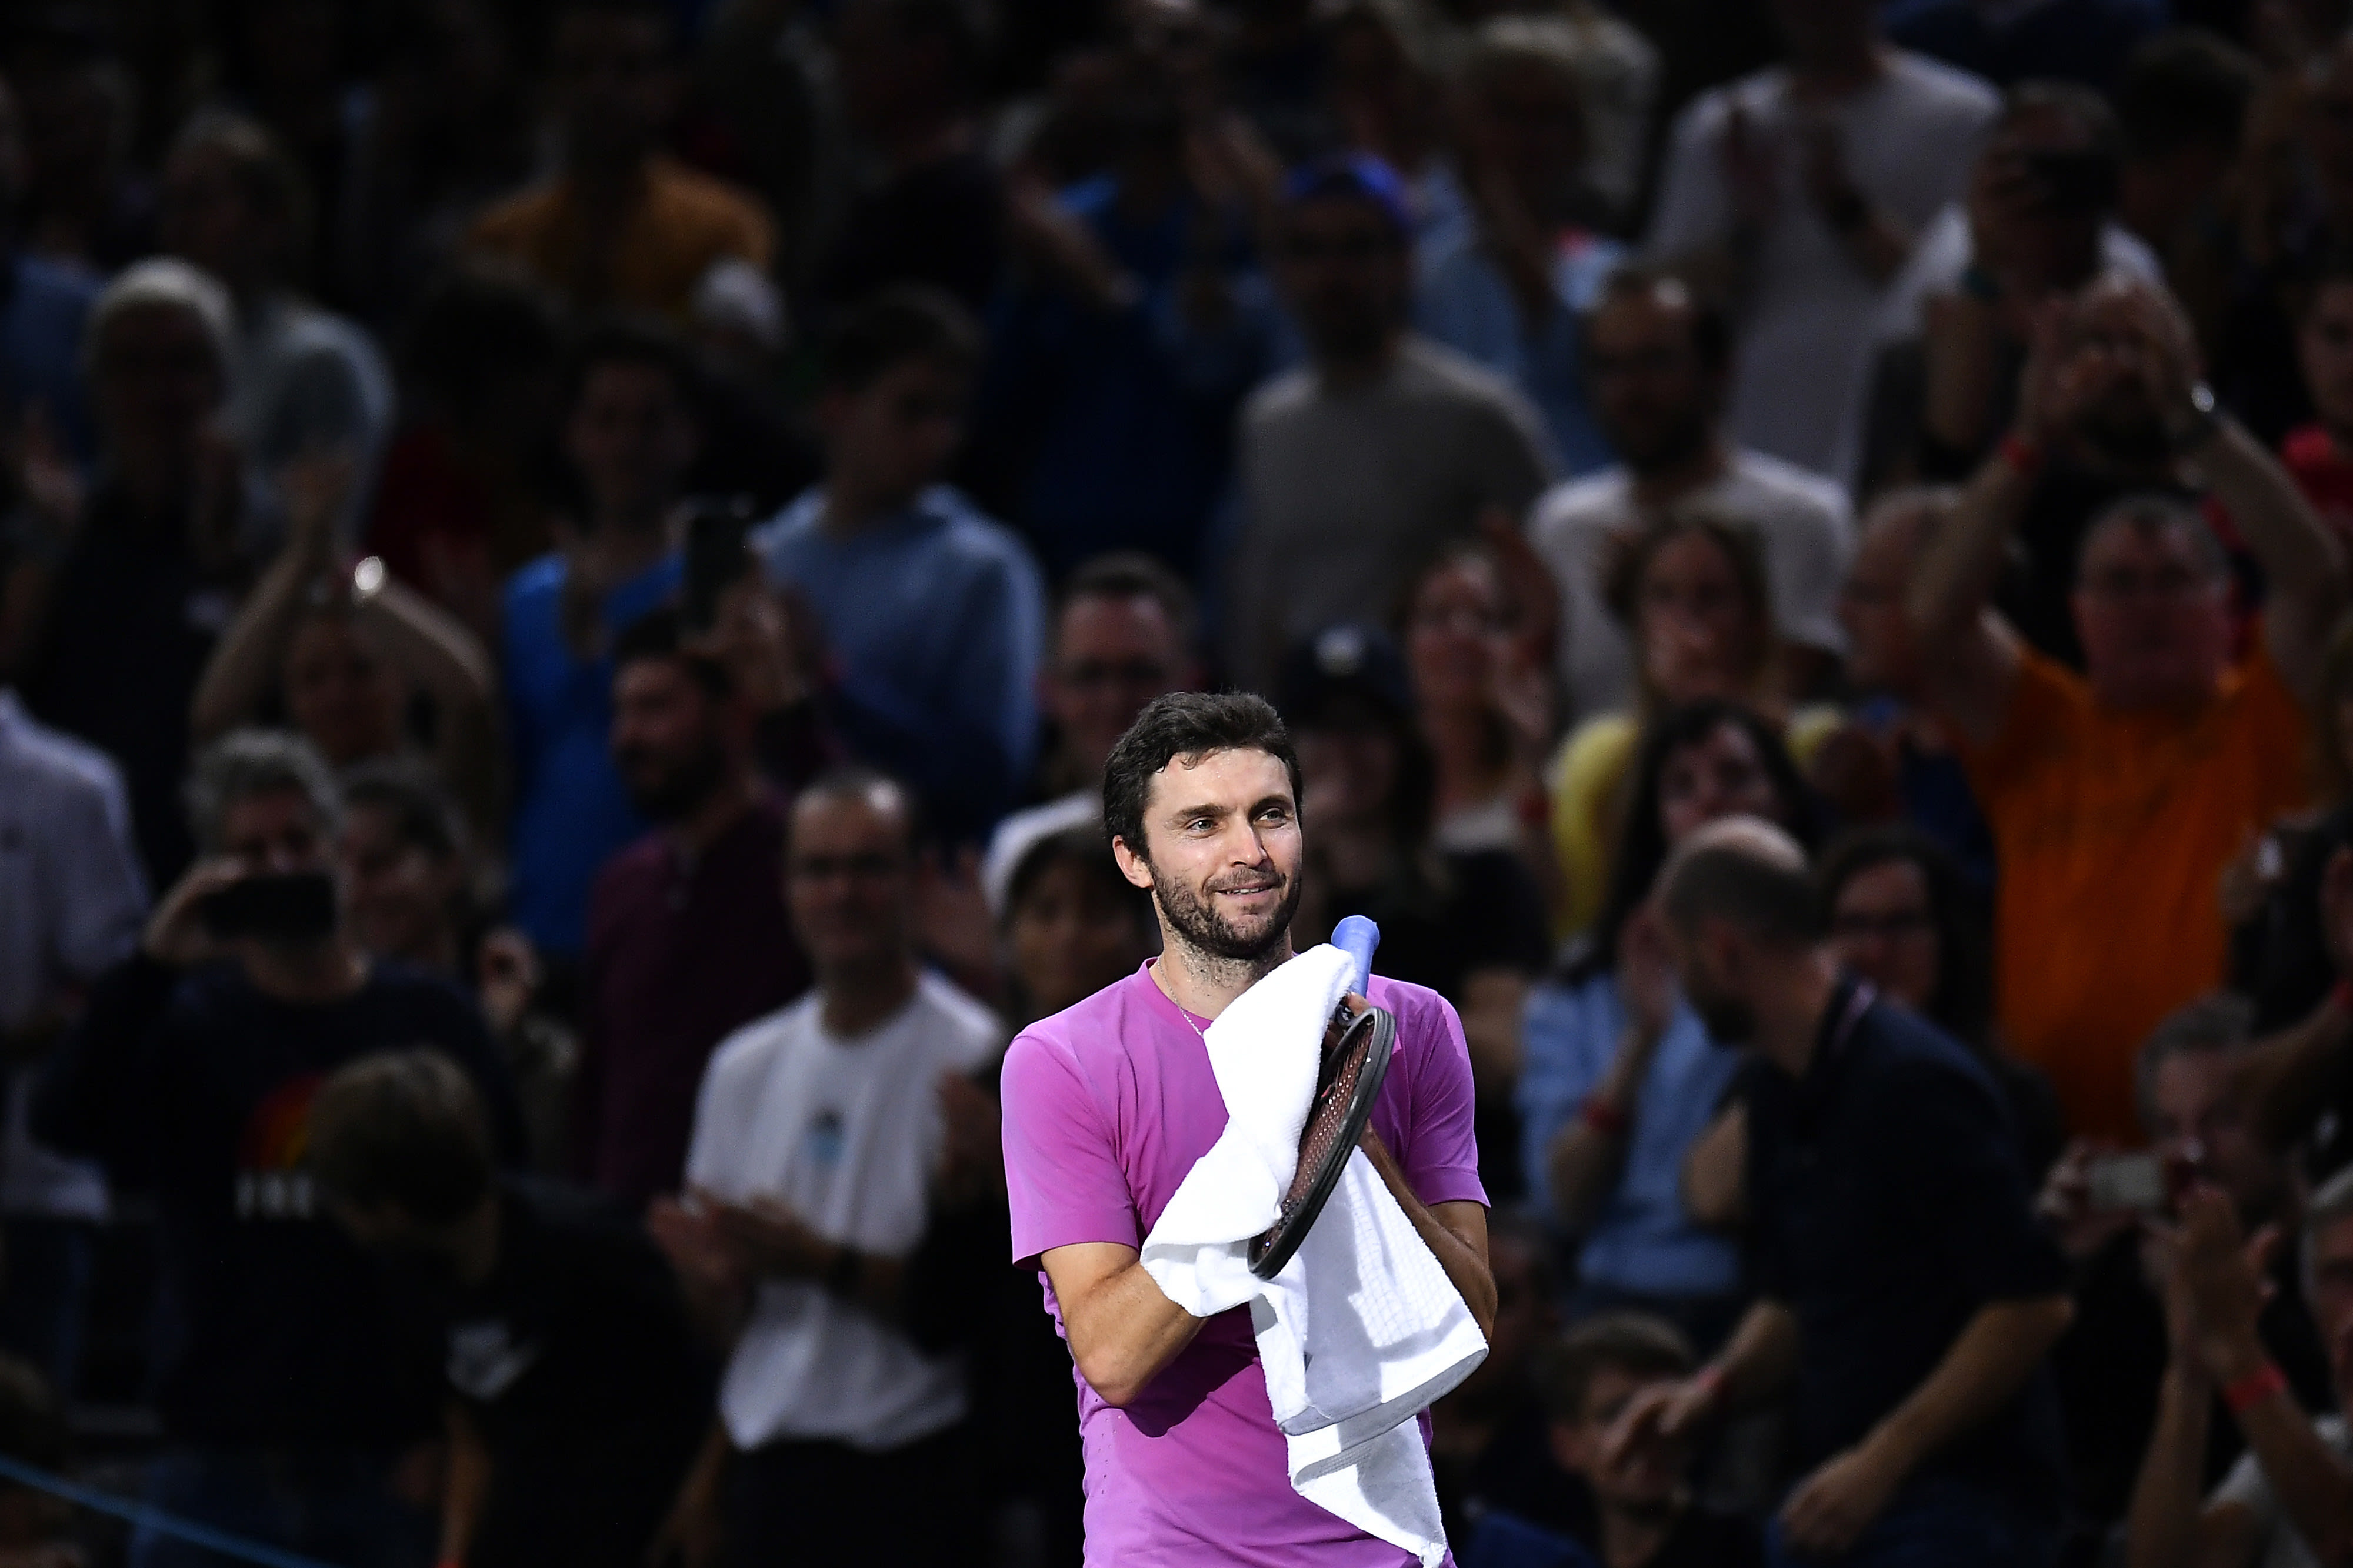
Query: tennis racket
<point>1357,1043</point>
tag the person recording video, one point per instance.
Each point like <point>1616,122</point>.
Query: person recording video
<point>287,1399</point>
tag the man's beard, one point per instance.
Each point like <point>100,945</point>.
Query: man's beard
<point>1729,1020</point>
<point>1202,927</point>
<point>667,793</point>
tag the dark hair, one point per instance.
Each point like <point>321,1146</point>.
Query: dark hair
<point>422,815</point>
<point>661,633</point>
<point>633,340</point>
<point>1186,726</point>
<point>2185,88</point>
<point>1963,1005</point>
<point>894,325</point>
<point>1735,884</point>
<point>1711,323</point>
<point>1082,847</point>
<point>268,179</point>
<point>404,1129</point>
<point>1627,558</point>
<point>2151,512</point>
<point>1133,574</point>
<point>1642,840</point>
<point>857,781</point>
<point>1635,1342</point>
<point>2090,112</point>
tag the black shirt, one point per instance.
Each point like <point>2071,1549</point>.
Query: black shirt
<point>1890,1206</point>
<point>274,1327</point>
<point>576,1362</point>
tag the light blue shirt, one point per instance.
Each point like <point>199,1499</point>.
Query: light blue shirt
<point>1463,301</point>
<point>936,620</point>
<point>1642,1240</point>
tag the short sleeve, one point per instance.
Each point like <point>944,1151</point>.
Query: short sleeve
<point>2046,702</point>
<point>1693,210</point>
<point>1947,1143</point>
<point>1440,1150</point>
<point>1063,1181</point>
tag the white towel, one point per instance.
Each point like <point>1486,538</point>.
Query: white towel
<point>1362,1329</point>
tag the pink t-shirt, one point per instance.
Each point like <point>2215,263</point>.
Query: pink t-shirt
<point>1107,1105</point>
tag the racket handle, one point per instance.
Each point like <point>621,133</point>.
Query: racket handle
<point>1357,937</point>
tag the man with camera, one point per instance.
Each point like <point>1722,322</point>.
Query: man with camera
<point>286,1401</point>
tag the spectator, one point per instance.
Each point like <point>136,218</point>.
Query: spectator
<point>1619,1076</point>
<point>1071,925</point>
<point>71,901</point>
<point>621,225</point>
<point>1358,465</point>
<point>1388,100</point>
<point>2111,1365</point>
<point>1691,593</point>
<point>302,379</point>
<point>1469,924</point>
<point>1124,634</point>
<point>119,595</point>
<point>576,1391</point>
<point>2116,797</point>
<point>688,935</point>
<point>631,437</point>
<point>42,317</point>
<point>1809,183</point>
<point>1892,760</point>
<point>934,614</point>
<point>1906,1297</point>
<point>1116,364</point>
<point>2183,103</point>
<point>2080,41</point>
<point>2320,455</point>
<point>936,215</point>
<point>346,649</point>
<point>1659,355</point>
<point>285,1397</point>
<point>2037,223</point>
<point>88,206</point>
<point>1489,1447</point>
<point>1636,1507</point>
<point>1473,649</point>
<point>470,476</point>
<point>2289,1500</point>
<point>817,1141</point>
<point>1509,287</point>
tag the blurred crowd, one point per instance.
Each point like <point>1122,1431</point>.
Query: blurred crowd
<point>569,570</point>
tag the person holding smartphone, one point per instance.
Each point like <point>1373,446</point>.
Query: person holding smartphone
<point>287,1399</point>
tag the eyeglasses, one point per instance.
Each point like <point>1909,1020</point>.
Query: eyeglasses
<point>1892,926</point>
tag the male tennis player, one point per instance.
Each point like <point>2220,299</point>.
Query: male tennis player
<point>1108,1105</point>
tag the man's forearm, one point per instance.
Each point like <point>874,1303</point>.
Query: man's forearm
<point>2302,566</point>
<point>1760,1358</point>
<point>1123,1329</point>
<point>1955,578</point>
<point>2292,1076</point>
<point>2162,1525</point>
<point>1982,1371</point>
<point>2314,1487</point>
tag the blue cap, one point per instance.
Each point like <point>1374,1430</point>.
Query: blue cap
<point>1357,176</point>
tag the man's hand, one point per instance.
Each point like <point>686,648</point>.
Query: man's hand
<point>2221,1283</point>
<point>768,1239</point>
<point>972,1157</point>
<point>1830,1509</point>
<point>1646,978</point>
<point>2064,1204</point>
<point>1665,1412</point>
<point>176,933</point>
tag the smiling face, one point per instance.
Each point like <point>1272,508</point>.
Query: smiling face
<point>1222,853</point>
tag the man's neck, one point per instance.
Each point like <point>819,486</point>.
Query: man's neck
<point>1789,1017</point>
<point>854,1001</point>
<point>1357,369</point>
<point>852,508</point>
<point>1206,983</point>
<point>309,975</point>
<point>708,821</point>
<point>1663,484</point>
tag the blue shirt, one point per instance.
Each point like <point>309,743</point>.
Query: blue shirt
<point>1120,422</point>
<point>43,307</point>
<point>1642,1240</point>
<point>936,620</point>
<point>571,810</point>
<point>1463,302</point>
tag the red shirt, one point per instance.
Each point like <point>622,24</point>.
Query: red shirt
<point>2324,473</point>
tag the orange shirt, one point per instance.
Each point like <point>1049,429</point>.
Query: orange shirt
<point>685,221</point>
<point>2111,830</point>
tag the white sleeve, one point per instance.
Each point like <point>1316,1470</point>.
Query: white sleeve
<point>1807,555</point>
<point>100,892</point>
<point>1693,210</point>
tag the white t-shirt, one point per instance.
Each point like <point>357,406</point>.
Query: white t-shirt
<point>1944,251</point>
<point>1803,519</point>
<point>73,898</point>
<point>1805,329</point>
<point>846,1134</point>
<point>2247,1486</point>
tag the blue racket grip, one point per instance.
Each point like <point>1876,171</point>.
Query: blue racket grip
<point>1357,937</point>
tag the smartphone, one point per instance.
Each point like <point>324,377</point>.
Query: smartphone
<point>278,906</point>
<point>715,556</point>
<point>2136,1181</point>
